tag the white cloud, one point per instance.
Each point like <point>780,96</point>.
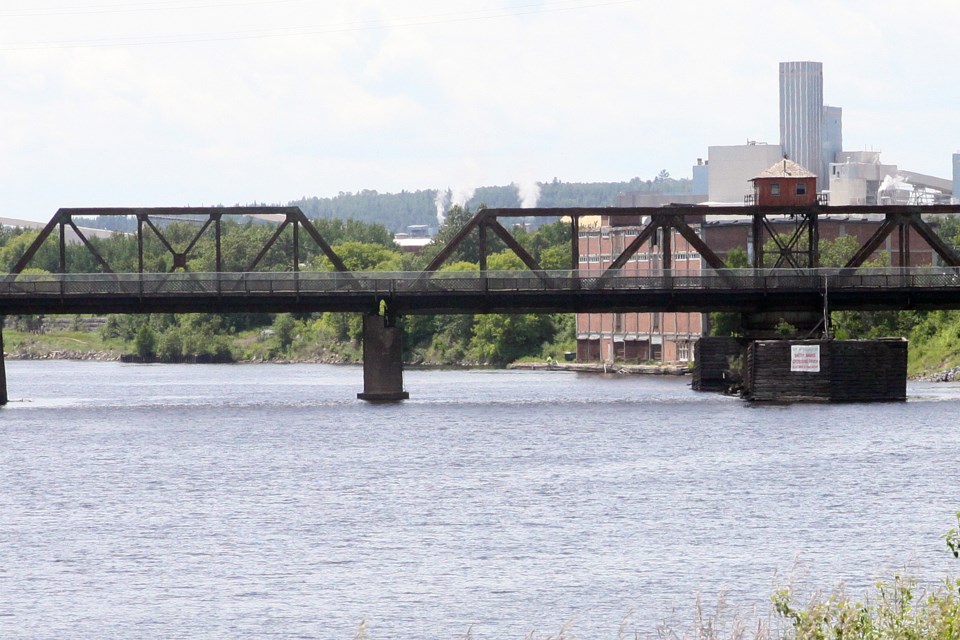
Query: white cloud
<point>428,94</point>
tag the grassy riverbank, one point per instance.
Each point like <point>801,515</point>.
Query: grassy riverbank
<point>934,350</point>
<point>75,345</point>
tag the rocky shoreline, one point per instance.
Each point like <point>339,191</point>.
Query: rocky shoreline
<point>598,367</point>
<point>948,375</point>
<point>102,356</point>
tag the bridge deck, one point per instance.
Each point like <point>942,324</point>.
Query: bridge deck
<point>476,292</point>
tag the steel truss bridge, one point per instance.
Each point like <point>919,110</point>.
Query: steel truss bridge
<point>745,290</point>
<point>794,282</point>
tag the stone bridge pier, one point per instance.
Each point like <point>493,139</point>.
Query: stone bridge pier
<point>382,360</point>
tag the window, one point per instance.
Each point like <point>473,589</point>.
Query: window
<point>775,189</point>
<point>801,189</point>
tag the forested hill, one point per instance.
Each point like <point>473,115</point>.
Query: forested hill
<point>398,210</point>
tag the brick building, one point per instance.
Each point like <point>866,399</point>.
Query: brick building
<point>634,336</point>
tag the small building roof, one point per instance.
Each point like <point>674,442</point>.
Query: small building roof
<point>785,169</point>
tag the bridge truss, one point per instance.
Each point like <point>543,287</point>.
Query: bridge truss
<point>794,281</point>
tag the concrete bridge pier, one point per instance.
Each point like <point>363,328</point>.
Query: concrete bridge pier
<point>3,369</point>
<point>382,360</point>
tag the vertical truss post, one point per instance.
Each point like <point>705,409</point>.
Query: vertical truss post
<point>63,244</point>
<point>296,255</point>
<point>575,243</point>
<point>63,251</point>
<point>905,244</point>
<point>813,240</point>
<point>575,250</point>
<point>757,241</point>
<point>217,242</point>
<point>140,253</point>
<point>482,242</point>
<point>667,262</point>
<point>219,255</point>
<point>296,245</point>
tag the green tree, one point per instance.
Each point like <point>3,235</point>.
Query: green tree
<point>359,256</point>
<point>144,343</point>
<point>283,328</point>
<point>170,345</point>
<point>502,338</point>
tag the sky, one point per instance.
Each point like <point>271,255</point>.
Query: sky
<point>108,103</point>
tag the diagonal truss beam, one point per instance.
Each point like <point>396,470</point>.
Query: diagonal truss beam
<point>947,253</point>
<point>319,241</point>
<point>873,242</point>
<point>645,234</point>
<point>93,251</point>
<point>697,243</point>
<point>268,246</point>
<point>455,242</point>
<point>147,217</point>
<point>515,246</point>
<point>31,251</point>
<point>789,247</point>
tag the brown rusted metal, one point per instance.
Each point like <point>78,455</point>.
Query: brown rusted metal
<point>455,242</point>
<point>944,250</point>
<point>148,217</point>
<point>697,243</point>
<point>320,242</point>
<point>93,250</point>
<point>645,234</point>
<point>873,243</point>
<point>268,246</point>
<point>575,243</point>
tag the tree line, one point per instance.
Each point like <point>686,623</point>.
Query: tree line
<point>397,211</point>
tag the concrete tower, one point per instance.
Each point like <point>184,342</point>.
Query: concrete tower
<point>831,131</point>
<point>801,114</point>
<point>956,177</point>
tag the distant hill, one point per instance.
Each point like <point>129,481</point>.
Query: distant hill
<point>396,211</point>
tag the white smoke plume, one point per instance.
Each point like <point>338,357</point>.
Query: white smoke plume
<point>442,203</point>
<point>447,198</point>
<point>529,192</point>
<point>461,196</point>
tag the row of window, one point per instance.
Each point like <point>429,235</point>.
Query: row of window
<point>775,188</point>
<point>605,232</point>
<point>637,257</point>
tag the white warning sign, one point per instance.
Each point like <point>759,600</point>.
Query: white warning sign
<point>805,357</point>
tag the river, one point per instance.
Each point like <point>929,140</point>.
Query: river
<point>253,501</point>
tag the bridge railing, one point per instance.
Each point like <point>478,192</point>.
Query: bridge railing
<point>388,283</point>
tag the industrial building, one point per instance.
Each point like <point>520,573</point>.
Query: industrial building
<point>810,150</point>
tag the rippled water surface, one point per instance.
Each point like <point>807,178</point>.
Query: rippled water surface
<point>266,501</point>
